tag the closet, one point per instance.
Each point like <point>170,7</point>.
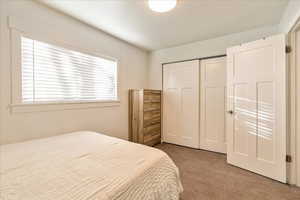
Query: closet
<point>194,94</point>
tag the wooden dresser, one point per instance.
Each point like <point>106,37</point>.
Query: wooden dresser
<point>145,116</point>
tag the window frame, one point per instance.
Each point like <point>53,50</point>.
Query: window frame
<point>17,105</point>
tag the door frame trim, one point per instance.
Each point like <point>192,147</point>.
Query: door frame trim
<point>294,108</point>
<point>201,58</point>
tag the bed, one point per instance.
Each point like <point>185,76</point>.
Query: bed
<point>86,166</point>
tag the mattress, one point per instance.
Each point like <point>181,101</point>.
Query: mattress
<point>86,166</point>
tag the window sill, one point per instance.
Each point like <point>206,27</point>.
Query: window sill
<point>44,107</point>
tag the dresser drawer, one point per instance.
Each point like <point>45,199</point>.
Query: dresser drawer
<point>152,92</point>
<point>152,97</point>
<point>156,113</point>
<point>152,139</point>
<point>152,114</point>
<point>152,121</point>
<point>151,118</point>
<point>152,107</point>
<point>155,128</point>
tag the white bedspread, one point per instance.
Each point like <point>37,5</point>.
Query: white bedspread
<point>86,166</point>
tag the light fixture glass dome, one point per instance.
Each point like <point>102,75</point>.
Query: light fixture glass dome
<point>162,5</point>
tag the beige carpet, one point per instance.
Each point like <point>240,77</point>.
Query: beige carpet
<point>207,176</point>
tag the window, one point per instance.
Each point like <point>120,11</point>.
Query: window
<point>55,74</point>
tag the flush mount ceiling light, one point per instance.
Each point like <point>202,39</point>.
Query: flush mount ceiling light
<point>162,5</point>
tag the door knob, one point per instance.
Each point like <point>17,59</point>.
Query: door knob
<point>230,112</point>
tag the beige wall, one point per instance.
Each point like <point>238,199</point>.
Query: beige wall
<point>205,48</point>
<point>109,120</point>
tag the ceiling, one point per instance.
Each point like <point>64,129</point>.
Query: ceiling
<point>191,20</point>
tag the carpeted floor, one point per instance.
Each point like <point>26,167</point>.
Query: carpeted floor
<point>206,176</point>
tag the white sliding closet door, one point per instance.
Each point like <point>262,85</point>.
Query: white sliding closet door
<point>212,109</point>
<point>256,123</point>
<point>181,103</point>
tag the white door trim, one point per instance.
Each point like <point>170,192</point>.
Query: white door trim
<point>294,108</point>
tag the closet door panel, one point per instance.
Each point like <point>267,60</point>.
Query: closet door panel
<point>213,95</point>
<point>181,103</point>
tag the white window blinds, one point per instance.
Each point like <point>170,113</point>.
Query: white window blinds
<point>54,74</point>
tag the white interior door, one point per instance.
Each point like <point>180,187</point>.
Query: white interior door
<point>181,103</point>
<point>212,109</point>
<point>256,128</point>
